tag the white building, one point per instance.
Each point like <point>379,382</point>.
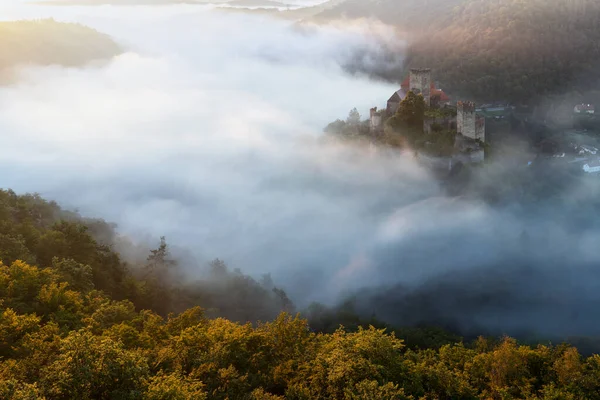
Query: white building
<point>587,149</point>
<point>584,109</point>
<point>592,167</point>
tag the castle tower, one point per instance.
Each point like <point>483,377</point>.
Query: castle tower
<point>420,83</point>
<point>376,121</point>
<point>468,123</point>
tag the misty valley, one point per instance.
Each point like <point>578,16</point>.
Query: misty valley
<point>299,199</point>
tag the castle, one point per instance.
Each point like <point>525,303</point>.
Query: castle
<point>470,126</point>
<point>470,129</point>
<point>419,82</point>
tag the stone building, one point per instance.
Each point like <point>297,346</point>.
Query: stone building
<point>469,146</point>
<point>470,136</point>
<point>394,102</point>
<point>376,121</point>
<point>445,123</point>
<point>419,82</point>
<point>468,123</point>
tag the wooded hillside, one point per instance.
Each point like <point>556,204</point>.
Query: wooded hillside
<point>514,50</point>
<point>77,322</point>
<point>494,50</point>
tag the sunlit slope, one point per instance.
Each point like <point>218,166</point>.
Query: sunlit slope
<point>48,42</point>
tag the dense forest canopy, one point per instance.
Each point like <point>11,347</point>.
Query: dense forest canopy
<point>41,233</point>
<point>47,42</point>
<point>76,322</point>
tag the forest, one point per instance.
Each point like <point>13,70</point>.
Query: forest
<point>501,50</point>
<point>514,51</point>
<point>77,321</point>
<point>48,42</point>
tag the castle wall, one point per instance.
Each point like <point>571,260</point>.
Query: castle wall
<point>420,83</point>
<point>468,123</point>
<point>480,128</point>
<point>392,107</point>
<point>447,123</point>
<point>473,157</point>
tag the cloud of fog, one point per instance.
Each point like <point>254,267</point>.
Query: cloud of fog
<point>197,134</point>
<point>207,131</point>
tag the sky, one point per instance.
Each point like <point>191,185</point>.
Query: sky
<point>208,130</point>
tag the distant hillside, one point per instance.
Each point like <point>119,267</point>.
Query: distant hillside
<point>407,14</point>
<point>48,42</point>
<point>295,14</point>
<point>514,50</point>
<point>489,50</point>
<point>257,3</point>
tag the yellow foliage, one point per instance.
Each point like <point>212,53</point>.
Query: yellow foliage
<point>174,387</point>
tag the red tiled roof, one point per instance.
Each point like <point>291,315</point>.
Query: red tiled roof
<point>443,96</point>
<point>405,83</point>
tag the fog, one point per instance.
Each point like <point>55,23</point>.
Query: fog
<point>205,131</point>
<point>208,131</point>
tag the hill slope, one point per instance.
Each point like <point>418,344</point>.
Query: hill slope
<point>47,42</point>
<point>413,15</point>
<point>514,50</point>
<point>489,50</point>
<point>70,329</point>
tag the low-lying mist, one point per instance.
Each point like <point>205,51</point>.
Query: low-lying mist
<point>208,131</point>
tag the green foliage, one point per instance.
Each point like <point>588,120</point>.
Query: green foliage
<point>80,277</point>
<point>351,128</point>
<point>439,142</point>
<point>80,252</point>
<point>443,112</point>
<point>411,112</point>
<point>405,128</point>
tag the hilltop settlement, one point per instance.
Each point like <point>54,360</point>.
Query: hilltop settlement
<point>444,133</point>
<point>421,117</point>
